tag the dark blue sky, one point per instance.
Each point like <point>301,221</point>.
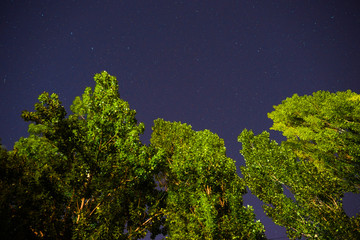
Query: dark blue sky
<point>218,65</point>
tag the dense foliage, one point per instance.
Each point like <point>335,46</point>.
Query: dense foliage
<point>316,165</point>
<point>88,176</point>
<point>85,176</point>
<point>204,192</point>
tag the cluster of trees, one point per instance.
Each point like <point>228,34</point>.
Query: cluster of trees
<point>88,175</point>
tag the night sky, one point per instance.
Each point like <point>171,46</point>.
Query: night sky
<point>218,65</point>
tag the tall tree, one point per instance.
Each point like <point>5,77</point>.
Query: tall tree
<point>88,175</point>
<point>204,193</point>
<point>317,164</point>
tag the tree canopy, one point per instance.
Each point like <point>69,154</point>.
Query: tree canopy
<point>204,192</point>
<point>85,176</point>
<point>317,164</point>
<point>88,176</point>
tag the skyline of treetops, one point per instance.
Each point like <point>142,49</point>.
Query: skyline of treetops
<point>88,175</point>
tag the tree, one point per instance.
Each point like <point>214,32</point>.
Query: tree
<point>204,193</point>
<point>88,175</point>
<point>317,164</point>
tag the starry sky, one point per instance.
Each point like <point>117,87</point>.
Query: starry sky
<point>218,65</point>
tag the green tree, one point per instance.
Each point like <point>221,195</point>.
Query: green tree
<point>87,176</point>
<point>317,164</point>
<point>204,193</point>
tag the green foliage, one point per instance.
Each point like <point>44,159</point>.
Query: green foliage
<point>318,163</point>
<point>204,193</point>
<point>324,128</point>
<point>88,175</point>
